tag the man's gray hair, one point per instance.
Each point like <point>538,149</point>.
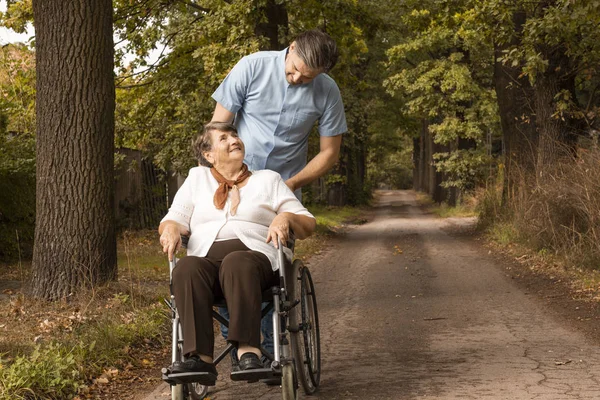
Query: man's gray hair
<point>317,49</point>
<point>203,141</point>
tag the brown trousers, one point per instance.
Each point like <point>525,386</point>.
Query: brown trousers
<point>229,270</point>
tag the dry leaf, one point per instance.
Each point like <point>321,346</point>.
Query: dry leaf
<point>100,381</point>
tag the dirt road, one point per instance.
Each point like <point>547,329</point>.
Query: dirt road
<point>411,311</point>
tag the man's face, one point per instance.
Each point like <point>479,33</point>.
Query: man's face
<point>296,72</point>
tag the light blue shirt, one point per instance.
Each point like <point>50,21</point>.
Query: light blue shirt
<point>274,118</point>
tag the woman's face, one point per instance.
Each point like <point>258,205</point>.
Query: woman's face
<point>227,147</point>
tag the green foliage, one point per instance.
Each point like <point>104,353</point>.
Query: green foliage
<point>57,370</point>
<point>464,167</point>
<point>17,214</point>
<point>161,109</point>
<point>18,14</point>
<point>51,372</point>
<point>390,163</point>
<point>17,151</point>
<point>443,71</point>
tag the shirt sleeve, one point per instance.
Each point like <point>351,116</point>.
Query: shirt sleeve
<point>286,201</point>
<point>333,120</point>
<point>231,94</point>
<point>182,208</point>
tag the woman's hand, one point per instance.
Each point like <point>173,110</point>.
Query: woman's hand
<point>170,239</point>
<point>279,229</point>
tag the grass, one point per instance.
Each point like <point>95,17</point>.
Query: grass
<point>503,233</point>
<point>466,208</point>
<point>329,218</point>
<point>66,349</point>
<point>445,211</point>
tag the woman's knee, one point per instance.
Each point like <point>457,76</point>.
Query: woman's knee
<point>240,263</point>
<point>189,267</point>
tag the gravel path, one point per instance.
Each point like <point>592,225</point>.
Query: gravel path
<point>410,311</point>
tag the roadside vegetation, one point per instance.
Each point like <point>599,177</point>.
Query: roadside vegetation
<point>551,218</point>
<point>95,343</point>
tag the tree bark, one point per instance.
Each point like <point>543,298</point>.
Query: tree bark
<point>75,242</point>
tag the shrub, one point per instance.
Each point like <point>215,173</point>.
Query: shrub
<point>557,208</point>
<point>50,372</point>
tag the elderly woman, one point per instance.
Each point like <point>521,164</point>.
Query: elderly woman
<point>234,218</point>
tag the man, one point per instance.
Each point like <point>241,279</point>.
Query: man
<point>275,98</point>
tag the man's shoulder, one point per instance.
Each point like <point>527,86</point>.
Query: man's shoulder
<point>262,57</point>
<point>326,81</point>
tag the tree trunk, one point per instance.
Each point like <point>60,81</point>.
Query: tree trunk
<point>555,132</point>
<point>517,119</point>
<point>416,159</point>
<point>276,23</point>
<point>75,243</point>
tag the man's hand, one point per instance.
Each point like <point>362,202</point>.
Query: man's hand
<point>319,165</point>
<point>279,229</point>
<point>170,240</point>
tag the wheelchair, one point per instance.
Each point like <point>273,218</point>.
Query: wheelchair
<point>297,350</point>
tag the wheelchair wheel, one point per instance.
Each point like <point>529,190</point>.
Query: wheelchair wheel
<point>308,341</point>
<point>289,382</point>
<point>197,391</point>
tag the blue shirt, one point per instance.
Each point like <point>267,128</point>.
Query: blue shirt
<point>274,118</point>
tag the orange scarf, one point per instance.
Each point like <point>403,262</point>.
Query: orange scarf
<point>225,185</point>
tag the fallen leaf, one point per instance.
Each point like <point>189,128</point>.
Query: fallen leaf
<point>102,380</point>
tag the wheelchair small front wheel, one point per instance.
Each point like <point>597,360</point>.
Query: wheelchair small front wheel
<point>289,383</point>
<point>197,391</point>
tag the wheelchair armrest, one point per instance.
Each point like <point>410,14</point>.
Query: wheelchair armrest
<point>291,240</point>
<point>184,241</point>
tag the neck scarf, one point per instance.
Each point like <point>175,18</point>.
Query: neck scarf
<point>225,185</point>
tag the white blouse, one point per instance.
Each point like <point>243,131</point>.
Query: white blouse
<point>263,197</point>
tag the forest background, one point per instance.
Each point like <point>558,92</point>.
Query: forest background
<point>488,103</point>
<point>454,98</point>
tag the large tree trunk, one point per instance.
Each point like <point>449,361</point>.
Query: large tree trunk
<point>75,243</point>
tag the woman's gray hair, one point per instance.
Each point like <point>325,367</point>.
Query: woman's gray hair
<point>317,49</point>
<point>203,141</point>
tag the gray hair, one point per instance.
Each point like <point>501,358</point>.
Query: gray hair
<point>317,49</point>
<point>203,141</point>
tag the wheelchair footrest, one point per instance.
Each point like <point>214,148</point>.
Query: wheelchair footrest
<point>203,378</point>
<point>252,375</point>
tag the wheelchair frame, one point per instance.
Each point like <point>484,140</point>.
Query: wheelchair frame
<point>296,338</point>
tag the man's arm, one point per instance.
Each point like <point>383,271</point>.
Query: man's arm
<point>222,114</point>
<point>318,166</point>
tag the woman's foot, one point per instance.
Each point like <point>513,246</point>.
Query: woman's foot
<point>249,361</point>
<point>193,364</point>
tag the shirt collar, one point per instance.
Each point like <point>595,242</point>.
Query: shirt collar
<point>282,55</point>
